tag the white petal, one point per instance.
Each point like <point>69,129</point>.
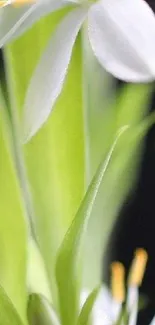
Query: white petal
<point>153,321</point>
<point>122,35</point>
<point>102,311</point>
<point>15,21</point>
<point>116,307</point>
<point>132,304</point>
<point>48,78</point>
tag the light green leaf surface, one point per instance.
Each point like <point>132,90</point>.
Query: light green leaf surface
<point>37,281</point>
<point>99,95</point>
<point>67,266</point>
<point>8,314</point>
<point>55,156</point>
<point>40,312</point>
<point>86,310</point>
<point>13,255</point>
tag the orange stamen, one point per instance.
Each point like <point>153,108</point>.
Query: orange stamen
<point>117,281</point>
<point>138,267</point>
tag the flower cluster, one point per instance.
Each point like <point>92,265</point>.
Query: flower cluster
<point>117,306</point>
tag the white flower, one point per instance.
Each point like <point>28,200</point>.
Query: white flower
<point>121,34</point>
<point>108,308</point>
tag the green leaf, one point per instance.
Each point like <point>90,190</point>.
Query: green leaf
<point>40,312</point>
<point>99,91</point>
<point>86,310</point>
<point>36,272</point>
<point>55,156</point>
<point>58,152</point>
<point>8,314</point>
<point>67,265</point>
<point>13,229</point>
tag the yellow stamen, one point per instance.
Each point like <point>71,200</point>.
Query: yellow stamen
<point>138,267</point>
<point>117,281</point>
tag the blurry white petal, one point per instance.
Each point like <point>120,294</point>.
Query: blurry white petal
<point>48,78</point>
<point>132,304</point>
<point>102,311</point>
<point>153,321</point>
<point>122,35</point>
<point>105,310</point>
<point>116,307</point>
<point>14,21</point>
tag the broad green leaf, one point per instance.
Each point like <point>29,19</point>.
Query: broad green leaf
<point>55,156</point>
<point>86,310</point>
<point>67,265</point>
<point>40,312</point>
<point>13,230</point>
<point>8,314</point>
